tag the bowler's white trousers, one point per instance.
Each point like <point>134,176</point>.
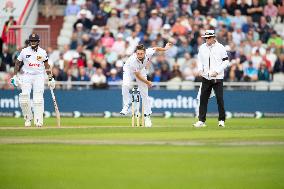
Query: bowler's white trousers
<point>127,84</point>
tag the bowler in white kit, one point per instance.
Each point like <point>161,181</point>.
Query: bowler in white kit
<point>135,68</point>
<point>35,65</point>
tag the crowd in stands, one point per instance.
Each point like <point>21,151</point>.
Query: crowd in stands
<point>107,32</point>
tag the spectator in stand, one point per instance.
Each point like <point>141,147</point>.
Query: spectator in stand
<point>92,7</point>
<point>107,39</point>
<point>256,59</point>
<point>169,18</point>
<point>275,41</point>
<point>82,54</point>
<point>50,9</point>
<point>270,10</point>
<point>270,59</point>
<point>143,21</point>
<point>113,21</point>
<point>184,47</point>
<point>100,19</point>
<point>90,69</point>
<point>250,73</point>
<point>263,30</point>
<point>263,73</point>
<point>281,11</point>
<point>82,75</point>
<point>86,22</point>
<point>255,11</point>
<point>94,34</point>
<point>178,28</point>
<point>165,72</point>
<point>243,7</point>
<point>133,41</point>
<point>203,7</point>
<point>113,76</point>
<point>198,18</point>
<point>88,42</point>
<point>279,64</point>
<point>138,30</point>
<point>172,52</point>
<point>156,76</point>
<point>215,9</point>
<point>185,61</point>
<point>231,6</point>
<point>176,74</point>
<point>238,20</point>
<point>6,30</point>
<point>99,79</point>
<point>7,59</point>
<point>126,20</point>
<point>119,45</point>
<point>2,65</point>
<point>72,9</point>
<point>155,24</point>
<point>160,60</point>
<point>238,36</point>
<point>58,74</point>
<point>190,71</point>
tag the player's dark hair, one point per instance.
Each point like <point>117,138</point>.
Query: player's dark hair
<point>140,47</point>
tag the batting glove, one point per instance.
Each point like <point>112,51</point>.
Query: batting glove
<point>15,81</point>
<point>51,83</point>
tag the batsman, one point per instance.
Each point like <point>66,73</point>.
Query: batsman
<point>135,68</point>
<point>35,64</point>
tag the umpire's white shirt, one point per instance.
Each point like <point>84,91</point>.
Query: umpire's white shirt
<point>33,60</point>
<point>211,59</point>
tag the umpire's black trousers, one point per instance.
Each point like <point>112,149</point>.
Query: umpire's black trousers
<point>207,85</point>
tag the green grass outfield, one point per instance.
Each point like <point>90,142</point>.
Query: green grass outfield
<point>101,153</point>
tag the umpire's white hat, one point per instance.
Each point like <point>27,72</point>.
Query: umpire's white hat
<point>209,33</point>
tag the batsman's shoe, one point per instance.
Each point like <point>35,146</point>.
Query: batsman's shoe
<point>38,125</point>
<point>221,123</point>
<point>148,122</point>
<point>28,123</point>
<point>124,110</point>
<point>199,124</point>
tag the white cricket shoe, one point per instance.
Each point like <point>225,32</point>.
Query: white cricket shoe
<point>124,110</point>
<point>199,124</point>
<point>148,122</point>
<point>38,125</point>
<point>28,123</point>
<point>221,123</point>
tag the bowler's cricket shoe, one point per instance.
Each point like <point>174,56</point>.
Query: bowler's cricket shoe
<point>28,123</point>
<point>199,124</point>
<point>124,110</point>
<point>148,122</point>
<point>221,123</point>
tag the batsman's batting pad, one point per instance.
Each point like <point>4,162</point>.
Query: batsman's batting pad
<point>38,108</point>
<point>25,105</point>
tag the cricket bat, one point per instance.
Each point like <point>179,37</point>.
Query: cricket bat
<point>57,113</point>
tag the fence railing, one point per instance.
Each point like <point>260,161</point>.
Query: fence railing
<point>184,85</point>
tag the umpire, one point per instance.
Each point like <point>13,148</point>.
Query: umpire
<point>212,61</point>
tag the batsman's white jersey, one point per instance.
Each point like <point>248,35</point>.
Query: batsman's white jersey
<point>131,66</point>
<point>33,61</point>
<point>32,78</point>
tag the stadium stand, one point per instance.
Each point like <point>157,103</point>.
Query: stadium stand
<point>97,36</point>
